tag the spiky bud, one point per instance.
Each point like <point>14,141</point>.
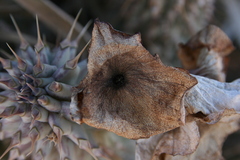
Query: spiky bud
<point>36,88</point>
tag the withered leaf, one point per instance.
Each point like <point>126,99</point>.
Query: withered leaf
<point>212,104</point>
<point>127,90</point>
<point>185,142</point>
<point>205,53</point>
<point>180,141</point>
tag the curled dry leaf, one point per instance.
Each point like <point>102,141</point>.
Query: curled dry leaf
<point>205,53</point>
<point>206,103</point>
<point>180,141</point>
<point>209,147</point>
<point>210,100</point>
<point>127,90</point>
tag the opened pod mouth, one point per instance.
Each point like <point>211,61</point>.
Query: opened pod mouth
<point>117,81</point>
<point>127,90</point>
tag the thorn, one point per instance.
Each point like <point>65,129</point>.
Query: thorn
<point>42,82</point>
<point>79,37</point>
<point>21,110</point>
<point>2,99</point>
<point>31,87</point>
<point>25,98</point>
<point>71,64</point>
<point>30,99</point>
<point>21,64</point>
<point>9,83</point>
<point>6,54</point>
<point>9,111</point>
<point>35,113</point>
<point>38,68</point>
<point>25,89</point>
<point>67,42</point>
<point>39,46</point>
<point>36,91</point>
<point>59,134</point>
<point>24,43</point>
<point>34,135</point>
<point>21,80</point>
<point>6,63</point>
<point>14,153</point>
<point>73,26</point>
<point>15,141</point>
<point>29,76</point>
<point>39,154</point>
<point>84,144</point>
<point>39,64</point>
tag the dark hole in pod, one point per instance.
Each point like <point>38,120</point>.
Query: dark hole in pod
<point>118,81</point>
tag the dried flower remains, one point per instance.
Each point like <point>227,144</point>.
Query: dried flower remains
<point>211,106</point>
<point>127,90</point>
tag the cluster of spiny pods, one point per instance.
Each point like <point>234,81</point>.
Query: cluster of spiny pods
<point>36,86</point>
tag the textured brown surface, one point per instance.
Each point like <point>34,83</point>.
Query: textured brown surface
<point>149,99</point>
<point>180,141</point>
<point>198,140</point>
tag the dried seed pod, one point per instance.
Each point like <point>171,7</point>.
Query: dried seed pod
<point>127,90</point>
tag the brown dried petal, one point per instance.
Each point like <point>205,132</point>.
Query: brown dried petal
<point>205,53</point>
<point>180,141</point>
<point>127,90</point>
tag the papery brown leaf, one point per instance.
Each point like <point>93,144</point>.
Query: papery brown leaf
<point>211,140</point>
<point>205,53</point>
<point>208,102</point>
<point>127,90</point>
<point>209,144</point>
<point>180,141</point>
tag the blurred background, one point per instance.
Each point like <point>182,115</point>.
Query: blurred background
<point>162,24</point>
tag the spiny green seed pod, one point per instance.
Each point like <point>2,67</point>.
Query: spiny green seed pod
<point>35,95</point>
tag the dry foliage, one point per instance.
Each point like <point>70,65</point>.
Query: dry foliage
<point>205,53</point>
<point>211,105</point>
<point>131,93</point>
<point>127,90</point>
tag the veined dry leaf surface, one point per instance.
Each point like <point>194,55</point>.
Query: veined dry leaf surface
<point>206,103</point>
<point>127,90</point>
<point>208,148</point>
<point>180,141</point>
